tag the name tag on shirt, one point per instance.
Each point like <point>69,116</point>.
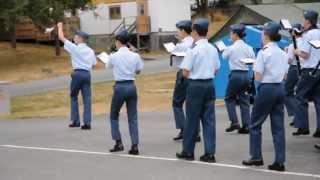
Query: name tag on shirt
<point>104,57</point>
<point>285,23</point>
<point>220,46</point>
<point>248,61</point>
<point>315,43</point>
<point>170,47</point>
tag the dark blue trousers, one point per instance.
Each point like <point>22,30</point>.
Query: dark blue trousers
<point>81,81</point>
<point>179,97</point>
<point>238,85</point>
<point>290,85</point>
<point>269,102</point>
<point>307,85</point>
<point>125,92</point>
<point>200,106</point>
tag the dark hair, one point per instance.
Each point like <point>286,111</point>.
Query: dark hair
<point>186,29</point>
<point>122,40</point>
<point>240,34</point>
<point>274,37</point>
<point>202,32</point>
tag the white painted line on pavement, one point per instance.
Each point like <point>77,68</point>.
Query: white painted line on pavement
<point>162,159</point>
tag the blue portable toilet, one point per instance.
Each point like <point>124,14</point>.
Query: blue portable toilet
<point>253,38</point>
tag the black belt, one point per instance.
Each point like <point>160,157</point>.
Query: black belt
<point>200,80</point>
<point>241,71</point>
<point>125,81</point>
<point>80,70</point>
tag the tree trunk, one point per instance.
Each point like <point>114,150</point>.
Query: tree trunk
<point>57,45</point>
<point>13,32</point>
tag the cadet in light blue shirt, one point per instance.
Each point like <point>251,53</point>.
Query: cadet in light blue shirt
<point>200,66</point>
<point>239,79</point>
<point>293,73</point>
<point>180,89</point>
<point>270,69</point>
<point>308,86</point>
<point>83,59</point>
<point>125,65</point>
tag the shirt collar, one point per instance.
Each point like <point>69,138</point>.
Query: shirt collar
<point>270,44</point>
<point>82,44</point>
<point>123,49</point>
<point>239,41</point>
<point>200,41</point>
<point>186,38</point>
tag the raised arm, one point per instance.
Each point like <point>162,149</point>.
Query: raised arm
<point>60,32</point>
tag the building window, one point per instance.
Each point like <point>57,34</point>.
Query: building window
<point>115,12</point>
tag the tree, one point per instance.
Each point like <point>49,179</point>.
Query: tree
<point>11,12</point>
<point>46,13</point>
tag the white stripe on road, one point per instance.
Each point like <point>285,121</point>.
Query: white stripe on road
<point>160,158</point>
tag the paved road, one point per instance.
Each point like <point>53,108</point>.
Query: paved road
<point>47,149</point>
<point>28,88</point>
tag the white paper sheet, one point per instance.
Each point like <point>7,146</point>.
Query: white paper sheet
<point>315,43</point>
<point>104,57</point>
<point>285,23</point>
<point>221,46</point>
<point>248,60</point>
<point>170,47</point>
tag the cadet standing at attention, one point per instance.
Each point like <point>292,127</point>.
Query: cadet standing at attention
<point>239,80</point>
<point>307,83</point>
<point>270,69</point>
<point>179,93</point>
<point>200,66</point>
<point>83,59</point>
<point>293,74</point>
<point>125,65</point>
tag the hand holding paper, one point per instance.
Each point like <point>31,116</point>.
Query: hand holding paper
<point>220,46</point>
<point>170,47</point>
<point>104,57</point>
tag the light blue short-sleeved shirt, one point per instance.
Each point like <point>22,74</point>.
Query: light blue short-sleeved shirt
<point>272,63</point>
<point>183,46</point>
<point>237,51</point>
<point>291,54</point>
<point>314,54</point>
<point>125,64</point>
<point>82,56</point>
<point>202,61</point>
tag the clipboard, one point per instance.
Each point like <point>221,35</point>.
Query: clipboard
<point>285,23</point>
<point>104,57</point>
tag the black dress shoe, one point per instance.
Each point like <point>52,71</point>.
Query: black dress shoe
<point>117,148</point>
<point>209,158</point>
<point>301,131</point>
<point>317,146</point>
<point>198,138</point>
<point>277,167</point>
<point>134,150</point>
<point>243,130</point>
<point>233,127</point>
<point>86,127</point>
<point>253,162</point>
<point>179,136</point>
<point>317,133</point>
<point>185,156</point>
<point>74,125</point>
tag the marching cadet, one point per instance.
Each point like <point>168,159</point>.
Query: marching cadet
<point>292,76</point>
<point>270,69</point>
<point>307,83</point>
<point>199,66</point>
<point>83,59</point>
<point>179,93</point>
<point>239,80</point>
<point>125,65</point>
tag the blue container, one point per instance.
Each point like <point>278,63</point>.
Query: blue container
<point>253,38</point>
